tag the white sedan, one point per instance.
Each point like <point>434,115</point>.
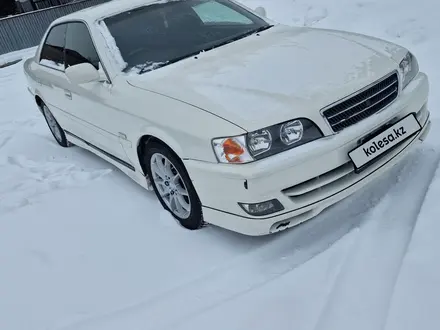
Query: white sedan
<point>230,118</point>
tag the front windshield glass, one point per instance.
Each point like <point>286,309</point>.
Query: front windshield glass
<point>155,35</point>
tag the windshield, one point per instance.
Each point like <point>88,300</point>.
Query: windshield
<point>155,35</point>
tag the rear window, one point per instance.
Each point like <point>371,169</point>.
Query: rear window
<point>155,35</point>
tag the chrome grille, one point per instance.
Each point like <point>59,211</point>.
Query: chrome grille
<point>363,104</point>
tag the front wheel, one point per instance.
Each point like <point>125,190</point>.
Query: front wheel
<point>173,186</point>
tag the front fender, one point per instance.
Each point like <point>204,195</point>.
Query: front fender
<point>186,129</point>
<point>164,137</point>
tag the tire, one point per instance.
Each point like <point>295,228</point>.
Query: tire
<point>173,186</point>
<point>55,128</point>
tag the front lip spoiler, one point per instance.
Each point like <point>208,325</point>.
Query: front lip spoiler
<point>425,132</point>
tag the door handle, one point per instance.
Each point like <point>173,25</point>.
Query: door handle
<point>68,94</point>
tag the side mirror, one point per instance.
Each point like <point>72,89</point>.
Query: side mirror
<point>82,73</point>
<point>261,11</point>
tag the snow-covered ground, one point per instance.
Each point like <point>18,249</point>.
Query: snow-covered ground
<point>83,247</point>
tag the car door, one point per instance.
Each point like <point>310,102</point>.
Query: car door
<point>91,103</point>
<point>52,81</point>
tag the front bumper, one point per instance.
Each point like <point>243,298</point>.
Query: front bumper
<point>307,179</point>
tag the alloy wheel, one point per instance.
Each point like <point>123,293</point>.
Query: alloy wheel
<point>170,186</point>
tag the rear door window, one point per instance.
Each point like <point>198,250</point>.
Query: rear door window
<point>52,54</point>
<point>79,46</point>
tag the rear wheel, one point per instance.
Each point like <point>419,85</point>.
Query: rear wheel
<point>173,186</point>
<point>55,128</point>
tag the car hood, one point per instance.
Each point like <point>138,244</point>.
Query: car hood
<point>281,74</point>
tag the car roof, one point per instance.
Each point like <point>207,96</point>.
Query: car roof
<point>110,8</point>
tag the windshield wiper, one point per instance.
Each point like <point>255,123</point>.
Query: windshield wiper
<point>263,28</point>
<point>238,37</point>
<point>150,66</point>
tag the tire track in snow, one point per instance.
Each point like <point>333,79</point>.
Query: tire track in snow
<point>362,293</point>
<point>25,180</point>
<point>409,166</point>
<point>7,76</point>
<point>31,121</point>
<point>275,259</point>
<point>5,137</point>
<point>386,321</point>
<point>272,260</point>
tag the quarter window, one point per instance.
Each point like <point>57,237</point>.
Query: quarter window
<point>79,46</point>
<point>52,54</point>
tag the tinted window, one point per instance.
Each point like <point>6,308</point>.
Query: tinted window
<point>52,53</point>
<point>215,12</point>
<point>162,33</point>
<point>79,46</point>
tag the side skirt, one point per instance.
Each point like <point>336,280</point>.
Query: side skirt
<point>114,158</point>
<point>126,168</point>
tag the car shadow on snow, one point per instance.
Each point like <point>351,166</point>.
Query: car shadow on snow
<point>4,65</point>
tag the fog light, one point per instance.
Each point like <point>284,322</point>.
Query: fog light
<point>264,208</point>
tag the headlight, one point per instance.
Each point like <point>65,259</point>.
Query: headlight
<point>408,69</point>
<point>265,142</point>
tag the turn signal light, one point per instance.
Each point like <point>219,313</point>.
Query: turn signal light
<point>232,150</point>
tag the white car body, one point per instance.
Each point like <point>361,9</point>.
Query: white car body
<point>279,75</point>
